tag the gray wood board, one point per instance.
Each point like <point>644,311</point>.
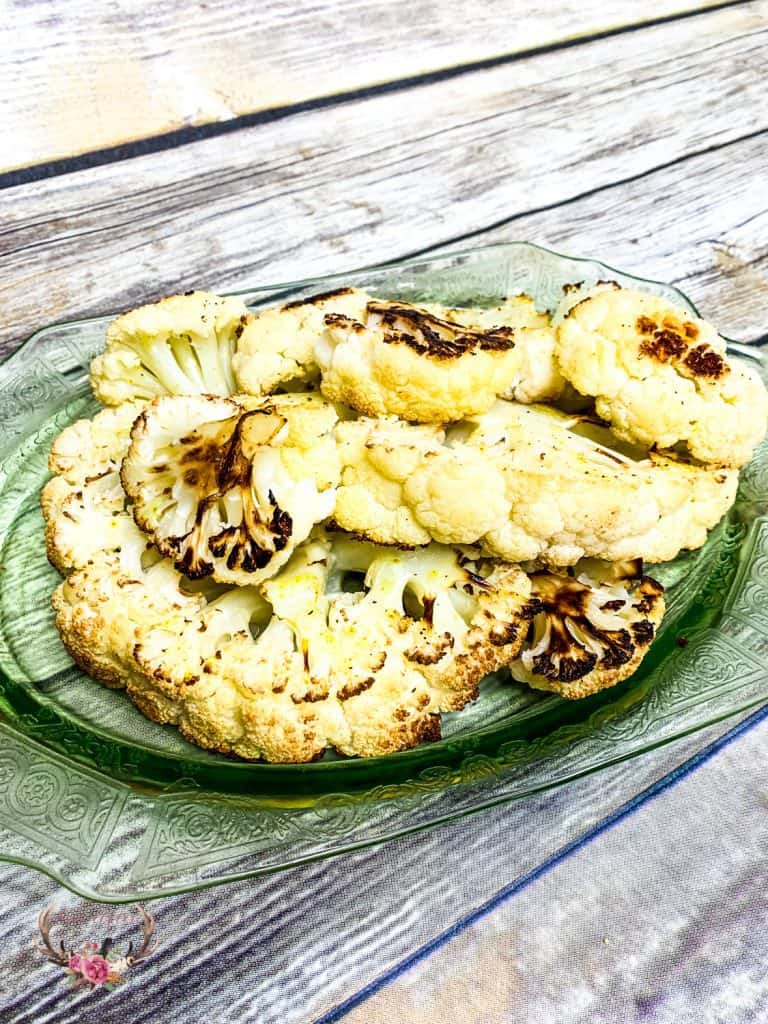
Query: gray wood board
<point>87,75</point>
<point>366,182</point>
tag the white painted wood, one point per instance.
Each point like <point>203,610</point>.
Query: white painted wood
<point>86,75</point>
<point>701,224</point>
<point>384,177</point>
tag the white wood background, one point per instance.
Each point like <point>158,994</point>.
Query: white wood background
<point>313,138</point>
<point>646,149</point>
<point>85,75</point>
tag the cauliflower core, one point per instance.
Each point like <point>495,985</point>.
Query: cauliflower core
<point>527,483</point>
<point>309,661</point>
<point>228,490</point>
<point>426,363</point>
<point>589,631</point>
<point>660,375</point>
<point>181,345</point>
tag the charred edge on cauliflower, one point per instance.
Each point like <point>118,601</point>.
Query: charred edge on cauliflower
<point>426,333</point>
<point>563,611</point>
<point>222,468</point>
<point>311,300</point>
<point>672,340</point>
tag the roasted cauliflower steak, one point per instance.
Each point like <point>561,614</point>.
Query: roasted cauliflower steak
<point>660,375</point>
<point>526,482</point>
<point>227,489</point>
<point>426,363</point>
<point>302,663</point>
<point>590,630</point>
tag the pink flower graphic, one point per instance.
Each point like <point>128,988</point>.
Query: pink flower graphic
<point>95,969</point>
<point>75,962</point>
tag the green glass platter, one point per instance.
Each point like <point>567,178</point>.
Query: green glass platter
<point>117,807</point>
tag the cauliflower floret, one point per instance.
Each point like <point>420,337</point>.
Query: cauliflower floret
<point>88,448</point>
<point>401,484</point>
<point>83,504</point>
<point>182,344</point>
<point>90,520</point>
<point>538,378</point>
<point>305,662</point>
<point>589,630</point>
<point>660,375</point>
<point>229,490</point>
<point>526,483</point>
<point>277,344</point>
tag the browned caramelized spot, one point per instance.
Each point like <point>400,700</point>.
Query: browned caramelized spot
<point>320,297</point>
<point>429,608</point>
<point>431,653</point>
<point>663,345</point>
<point>643,631</point>
<point>504,633</point>
<point>430,730</point>
<point>568,667</point>
<point>478,581</point>
<point>690,330</point>
<point>703,361</point>
<point>355,687</point>
<point>645,325</point>
<point>427,334</point>
<point>649,593</point>
<point>613,606</point>
<point>241,326</point>
<point>618,647</point>
<point>311,695</point>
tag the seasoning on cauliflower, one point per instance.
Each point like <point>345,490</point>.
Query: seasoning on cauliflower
<point>590,630</point>
<point>102,608</point>
<point>83,503</point>
<point>228,490</point>
<point>527,483</point>
<point>660,375</point>
<point>183,344</point>
<point>307,661</point>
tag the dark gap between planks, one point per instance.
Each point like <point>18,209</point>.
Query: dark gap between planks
<point>197,133</point>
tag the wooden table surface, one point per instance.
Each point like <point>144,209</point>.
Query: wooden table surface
<point>148,149</point>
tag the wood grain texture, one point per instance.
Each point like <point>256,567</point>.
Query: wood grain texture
<point>88,75</point>
<point>392,175</point>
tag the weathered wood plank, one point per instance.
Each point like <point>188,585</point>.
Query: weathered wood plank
<point>318,193</point>
<point>88,75</point>
<point>700,224</point>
